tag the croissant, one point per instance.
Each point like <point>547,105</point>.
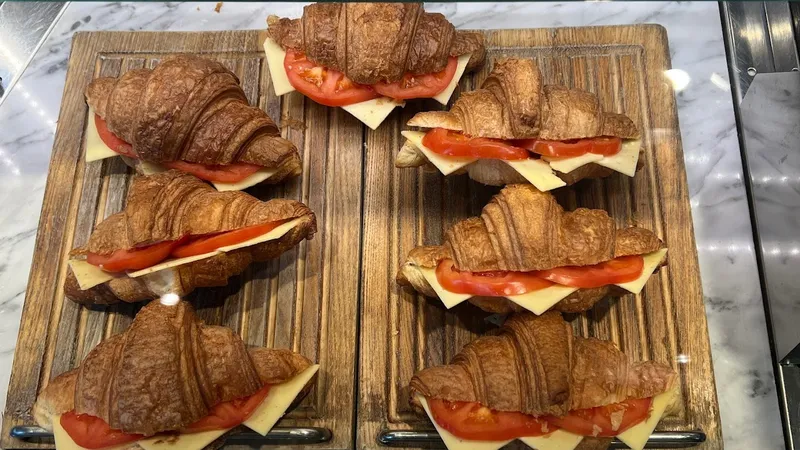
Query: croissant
<point>523,230</point>
<point>191,109</point>
<point>167,371</point>
<point>168,207</point>
<point>513,104</point>
<point>536,366</point>
<point>374,42</point>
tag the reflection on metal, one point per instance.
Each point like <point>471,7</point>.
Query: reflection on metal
<point>431,439</point>
<point>276,436</point>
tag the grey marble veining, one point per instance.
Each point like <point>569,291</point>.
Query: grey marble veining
<point>745,385</point>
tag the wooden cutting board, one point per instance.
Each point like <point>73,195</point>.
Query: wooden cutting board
<point>334,298</point>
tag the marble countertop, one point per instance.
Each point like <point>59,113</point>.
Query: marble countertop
<point>741,355</point>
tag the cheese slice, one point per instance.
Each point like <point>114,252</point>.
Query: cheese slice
<point>88,275</point>
<point>444,96</point>
<point>64,440</point>
<point>276,233</point>
<point>538,173</point>
<point>567,165</point>
<point>445,164</point>
<point>651,262</point>
<point>149,168</point>
<point>540,301</point>
<point>252,180</point>
<point>636,437</point>
<point>455,443</point>
<point>373,112</point>
<point>96,149</point>
<point>278,400</point>
<point>449,299</point>
<point>275,56</point>
<point>557,440</point>
<point>188,441</point>
<point>626,160</point>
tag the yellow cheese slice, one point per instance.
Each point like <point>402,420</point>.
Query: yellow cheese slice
<point>636,437</point>
<point>455,443</point>
<point>65,442</point>
<point>96,149</point>
<point>449,299</point>
<point>445,164</point>
<point>444,96</point>
<point>278,400</point>
<point>276,233</point>
<point>651,262</point>
<point>538,173</point>
<point>189,441</point>
<point>625,161</point>
<point>373,112</point>
<point>275,56</point>
<point>149,168</point>
<point>88,276</point>
<point>557,440</point>
<point>252,180</point>
<point>567,165</point>
<point>540,301</point>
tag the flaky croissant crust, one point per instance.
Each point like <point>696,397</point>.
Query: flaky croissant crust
<point>163,373</point>
<point>372,42</point>
<point>535,365</point>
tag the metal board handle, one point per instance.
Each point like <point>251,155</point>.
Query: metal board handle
<point>276,436</point>
<point>659,439</point>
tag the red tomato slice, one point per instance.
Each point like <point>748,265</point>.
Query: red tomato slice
<point>229,173</point>
<point>209,244</point>
<point>419,86</point>
<point>468,420</point>
<point>600,421</point>
<point>229,414</point>
<point>453,143</point>
<point>325,86</point>
<point>489,284</point>
<point>93,432</point>
<point>111,139</point>
<point>618,270</point>
<point>606,146</point>
<point>133,259</point>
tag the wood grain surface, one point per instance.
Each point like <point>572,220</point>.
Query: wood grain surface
<point>334,298</point>
<point>402,332</point>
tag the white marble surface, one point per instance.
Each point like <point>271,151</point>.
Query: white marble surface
<point>745,385</point>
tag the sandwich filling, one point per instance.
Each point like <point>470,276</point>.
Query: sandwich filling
<point>291,70</point>
<point>539,290</point>
<point>461,423</point>
<point>102,143</point>
<point>258,412</point>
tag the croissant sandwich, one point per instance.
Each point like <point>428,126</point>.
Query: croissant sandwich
<point>526,253</point>
<point>516,130</point>
<point>189,114</point>
<point>369,58</point>
<point>537,382</point>
<point>171,381</point>
<point>177,233</point>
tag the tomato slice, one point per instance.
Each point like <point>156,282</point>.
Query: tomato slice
<point>453,143</point>
<point>93,432</point>
<point>601,421</point>
<point>469,420</point>
<point>606,146</point>
<point>133,259</point>
<point>419,86</point>
<point>325,86</point>
<point>111,140</point>
<point>209,244</point>
<point>229,414</point>
<point>228,173</point>
<point>618,270</point>
<point>489,284</point>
